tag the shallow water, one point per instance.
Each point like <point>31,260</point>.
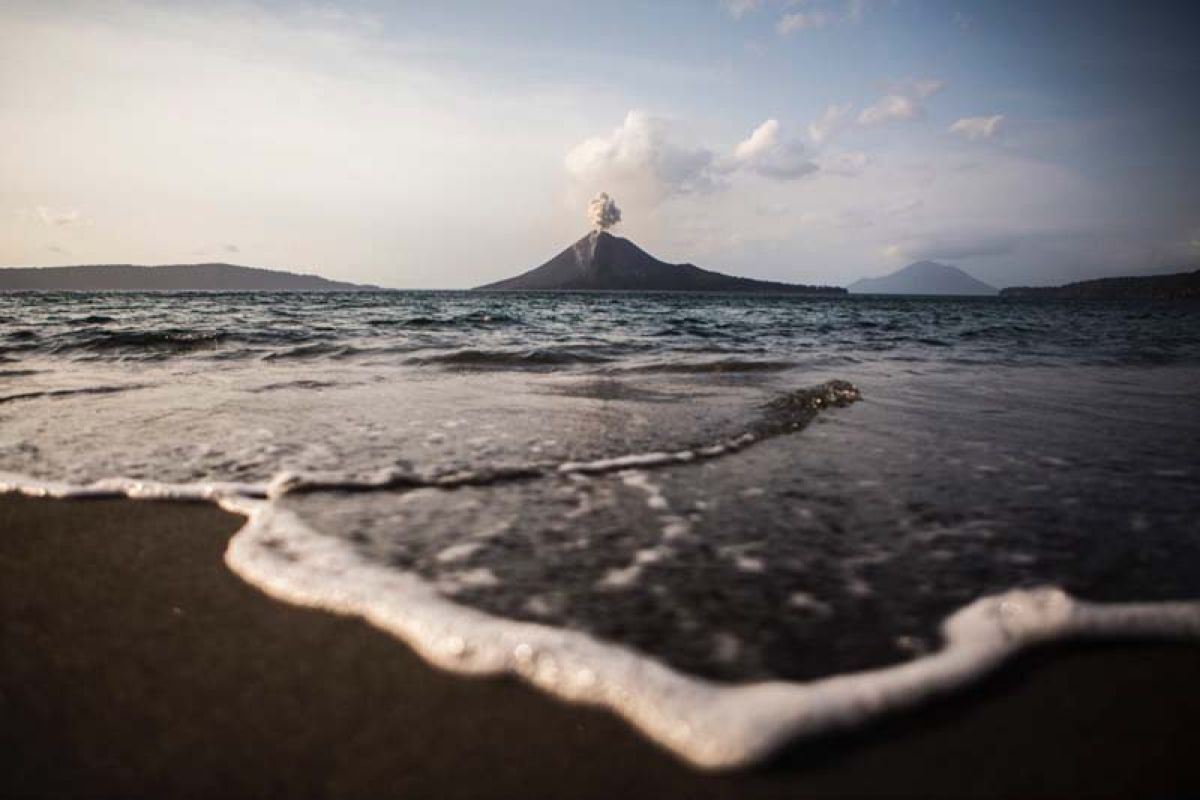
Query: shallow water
<point>639,469</point>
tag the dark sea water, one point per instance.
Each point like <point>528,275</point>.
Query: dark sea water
<point>647,471</point>
<point>548,331</point>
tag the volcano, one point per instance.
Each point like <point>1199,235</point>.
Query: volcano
<point>603,262</point>
<point>924,277</point>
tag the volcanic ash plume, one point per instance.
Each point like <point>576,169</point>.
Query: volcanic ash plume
<point>603,212</point>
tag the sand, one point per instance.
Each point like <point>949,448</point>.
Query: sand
<point>134,664</point>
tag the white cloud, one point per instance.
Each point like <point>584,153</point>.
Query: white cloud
<point>925,88</point>
<point>823,127</point>
<point>767,153</point>
<point>977,127</point>
<point>739,8</point>
<point>761,140</point>
<point>641,157</point>
<point>890,108</point>
<point>902,103</point>
<point>818,18</point>
<point>804,21</point>
<point>643,161</point>
<point>902,207</point>
<point>50,216</point>
<point>851,163</point>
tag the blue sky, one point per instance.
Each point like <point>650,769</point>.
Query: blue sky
<point>449,144</point>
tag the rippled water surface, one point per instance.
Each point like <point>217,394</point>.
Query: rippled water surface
<point>545,330</point>
<point>997,444</point>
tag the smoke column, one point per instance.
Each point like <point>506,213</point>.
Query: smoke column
<point>603,212</point>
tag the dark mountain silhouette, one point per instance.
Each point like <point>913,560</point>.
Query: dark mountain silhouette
<point>199,277</point>
<point>923,277</point>
<point>1154,287</point>
<point>601,261</point>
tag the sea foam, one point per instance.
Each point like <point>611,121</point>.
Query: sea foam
<point>710,725</point>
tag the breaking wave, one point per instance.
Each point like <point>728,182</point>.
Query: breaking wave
<point>711,725</point>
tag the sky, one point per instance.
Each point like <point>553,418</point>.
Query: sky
<point>449,144</point>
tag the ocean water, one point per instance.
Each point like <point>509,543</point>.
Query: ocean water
<point>731,519</point>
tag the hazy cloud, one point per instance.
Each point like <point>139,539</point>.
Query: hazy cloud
<point>924,88</point>
<point>232,248</point>
<point>821,129</point>
<point>902,103</point>
<point>816,18</point>
<point>890,108</point>
<point>739,8</point>
<point>767,153</point>
<point>50,216</point>
<point>977,127</point>
<point>803,21</point>
<point>849,163</point>
<point>902,207</point>
<point>954,245</point>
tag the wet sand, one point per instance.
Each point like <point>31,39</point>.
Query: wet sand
<point>134,664</point>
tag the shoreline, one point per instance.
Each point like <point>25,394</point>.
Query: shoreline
<point>133,662</point>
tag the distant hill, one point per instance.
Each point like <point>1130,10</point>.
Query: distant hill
<point>923,277</point>
<point>1155,287</point>
<point>601,261</point>
<point>199,277</point>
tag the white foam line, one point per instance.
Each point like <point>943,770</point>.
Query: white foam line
<point>648,460</point>
<point>11,482</point>
<point>712,726</point>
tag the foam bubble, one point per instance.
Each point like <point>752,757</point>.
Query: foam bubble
<point>713,726</point>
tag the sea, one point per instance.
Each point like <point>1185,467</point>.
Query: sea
<point>734,520</point>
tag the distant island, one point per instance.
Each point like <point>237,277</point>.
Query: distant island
<point>1151,287</point>
<point>171,277</point>
<point>924,277</point>
<point>603,262</point>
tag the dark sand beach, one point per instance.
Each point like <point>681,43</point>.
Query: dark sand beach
<point>134,664</point>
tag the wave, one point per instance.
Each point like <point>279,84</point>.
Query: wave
<point>511,359</point>
<point>457,322</point>
<point>297,384</point>
<point>712,726</point>
<point>90,390</point>
<point>313,350</point>
<point>722,365</point>
<point>153,342</point>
